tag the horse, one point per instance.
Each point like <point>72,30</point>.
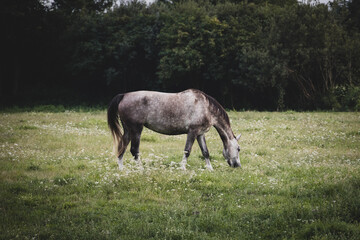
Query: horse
<point>190,112</point>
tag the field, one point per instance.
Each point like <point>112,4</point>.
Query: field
<point>300,180</point>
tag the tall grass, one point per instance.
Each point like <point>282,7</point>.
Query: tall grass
<point>300,180</point>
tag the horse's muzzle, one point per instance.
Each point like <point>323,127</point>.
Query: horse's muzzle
<point>234,163</point>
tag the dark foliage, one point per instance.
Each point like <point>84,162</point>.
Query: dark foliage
<point>274,55</point>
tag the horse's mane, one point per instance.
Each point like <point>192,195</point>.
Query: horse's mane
<point>215,105</point>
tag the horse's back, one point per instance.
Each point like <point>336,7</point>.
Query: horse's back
<point>168,113</point>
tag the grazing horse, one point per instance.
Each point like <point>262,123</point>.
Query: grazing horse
<point>190,112</point>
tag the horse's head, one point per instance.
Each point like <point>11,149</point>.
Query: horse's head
<point>231,152</point>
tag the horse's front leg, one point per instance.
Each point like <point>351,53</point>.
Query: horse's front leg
<point>205,151</point>
<point>189,142</point>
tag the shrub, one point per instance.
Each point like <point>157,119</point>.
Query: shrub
<point>343,98</point>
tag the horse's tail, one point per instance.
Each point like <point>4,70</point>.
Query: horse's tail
<point>114,124</point>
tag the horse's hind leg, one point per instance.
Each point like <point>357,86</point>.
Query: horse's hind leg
<point>205,151</point>
<point>135,142</point>
<point>125,142</point>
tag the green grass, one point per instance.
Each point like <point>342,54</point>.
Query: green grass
<point>300,180</point>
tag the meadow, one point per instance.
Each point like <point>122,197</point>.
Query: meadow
<point>300,179</point>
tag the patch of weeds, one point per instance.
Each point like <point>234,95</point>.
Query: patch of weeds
<point>246,116</point>
<point>251,129</point>
<point>261,152</point>
<point>81,167</point>
<point>27,127</point>
<point>49,108</point>
<point>263,118</point>
<point>172,162</point>
<point>353,133</point>
<point>17,189</point>
<point>291,118</point>
<point>329,230</point>
<point>68,205</point>
<point>33,167</point>
<point>29,200</point>
<point>107,191</point>
<point>148,138</point>
<point>90,123</point>
<point>62,181</point>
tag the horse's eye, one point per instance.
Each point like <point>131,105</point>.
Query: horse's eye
<point>238,149</point>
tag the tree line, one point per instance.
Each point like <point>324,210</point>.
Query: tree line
<point>248,54</point>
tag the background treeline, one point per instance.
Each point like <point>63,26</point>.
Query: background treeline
<point>260,54</point>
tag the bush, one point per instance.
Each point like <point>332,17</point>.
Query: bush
<point>343,98</point>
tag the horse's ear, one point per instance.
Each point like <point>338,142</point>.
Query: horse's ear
<point>238,137</point>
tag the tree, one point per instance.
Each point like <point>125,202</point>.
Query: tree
<point>23,30</point>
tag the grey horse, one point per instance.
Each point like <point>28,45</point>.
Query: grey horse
<point>190,112</point>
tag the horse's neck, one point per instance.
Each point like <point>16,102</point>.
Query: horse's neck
<point>224,131</point>
<point>220,120</point>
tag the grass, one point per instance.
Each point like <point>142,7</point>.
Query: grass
<point>300,180</point>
